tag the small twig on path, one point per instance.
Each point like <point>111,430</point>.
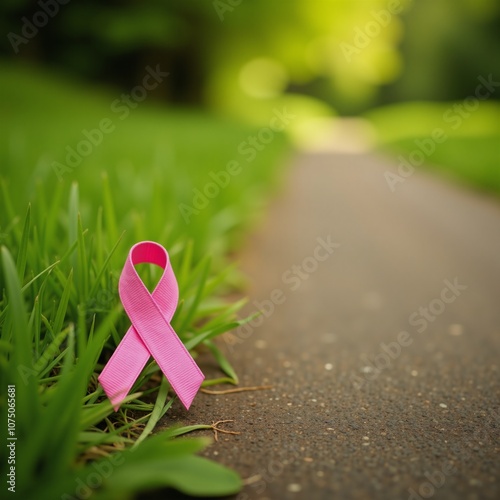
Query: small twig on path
<point>216,429</point>
<point>238,389</point>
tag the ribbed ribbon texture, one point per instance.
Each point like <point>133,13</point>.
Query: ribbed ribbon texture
<point>150,333</point>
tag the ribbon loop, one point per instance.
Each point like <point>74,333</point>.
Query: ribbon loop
<point>150,333</point>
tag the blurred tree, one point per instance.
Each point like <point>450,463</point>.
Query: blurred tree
<point>202,43</point>
<point>229,53</point>
<point>447,45</point>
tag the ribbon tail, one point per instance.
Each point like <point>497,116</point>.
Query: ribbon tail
<point>124,367</point>
<point>178,366</point>
<point>187,385</point>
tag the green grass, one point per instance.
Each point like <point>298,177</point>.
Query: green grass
<point>63,243</point>
<point>471,151</point>
<point>154,159</point>
<point>472,160</point>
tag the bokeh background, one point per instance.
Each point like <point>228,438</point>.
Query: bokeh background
<point>397,64</point>
<point>143,104</point>
<point>351,55</point>
<point>127,120</point>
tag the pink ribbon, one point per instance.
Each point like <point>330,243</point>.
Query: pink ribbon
<point>150,333</point>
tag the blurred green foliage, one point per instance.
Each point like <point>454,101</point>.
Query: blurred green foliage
<point>447,44</point>
<point>62,254</point>
<point>229,54</point>
<point>158,156</point>
<point>469,147</point>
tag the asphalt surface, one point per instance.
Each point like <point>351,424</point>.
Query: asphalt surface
<point>382,353</point>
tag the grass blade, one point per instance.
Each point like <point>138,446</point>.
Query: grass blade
<point>223,362</point>
<point>158,411</point>
<point>63,305</point>
<point>205,267</point>
<point>23,247</point>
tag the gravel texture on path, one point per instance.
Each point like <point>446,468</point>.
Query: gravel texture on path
<point>380,338</point>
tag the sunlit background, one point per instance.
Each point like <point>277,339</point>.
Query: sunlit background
<point>177,121</point>
<point>396,63</point>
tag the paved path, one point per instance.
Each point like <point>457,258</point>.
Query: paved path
<point>360,409</point>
